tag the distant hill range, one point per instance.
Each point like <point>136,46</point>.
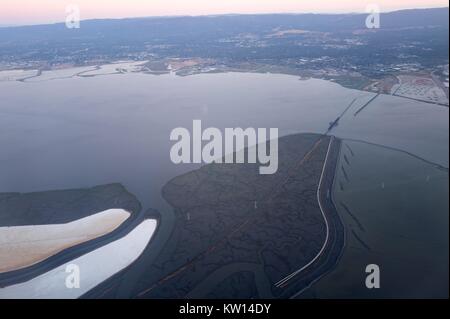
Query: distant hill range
<point>139,29</point>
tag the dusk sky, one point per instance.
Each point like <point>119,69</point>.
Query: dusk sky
<point>18,12</point>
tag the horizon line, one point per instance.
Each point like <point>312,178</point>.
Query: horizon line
<point>215,15</point>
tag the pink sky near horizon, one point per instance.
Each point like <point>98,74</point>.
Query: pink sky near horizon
<point>18,12</point>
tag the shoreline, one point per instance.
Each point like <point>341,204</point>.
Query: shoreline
<point>165,67</point>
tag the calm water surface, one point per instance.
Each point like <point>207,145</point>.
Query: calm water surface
<point>82,132</point>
